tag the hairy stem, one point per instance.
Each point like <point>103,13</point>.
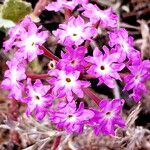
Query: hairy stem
<point>48,54</point>
<point>37,76</point>
<point>40,6</point>
<point>67,14</point>
<point>91,95</point>
<point>56,143</point>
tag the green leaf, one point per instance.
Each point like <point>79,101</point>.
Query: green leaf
<point>15,10</point>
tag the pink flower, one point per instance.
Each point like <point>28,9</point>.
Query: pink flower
<point>107,18</point>
<point>75,32</point>
<point>69,117</point>
<point>67,83</point>
<point>13,76</point>
<point>60,4</point>
<point>123,44</point>
<point>37,99</point>
<point>107,117</point>
<point>105,66</point>
<point>29,43</point>
<point>27,38</point>
<point>73,59</point>
<point>15,32</point>
<point>140,72</point>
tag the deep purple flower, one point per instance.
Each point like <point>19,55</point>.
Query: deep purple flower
<point>69,117</point>
<point>105,66</point>
<point>37,99</point>
<point>13,76</point>
<point>67,83</point>
<point>75,32</point>
<point>73,59</point>
<point>107,18</point>
<point>107,117</point>
<point>123,43</point>
<point>140,72</point>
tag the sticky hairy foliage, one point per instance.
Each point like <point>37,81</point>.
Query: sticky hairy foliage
<point>15,10</point>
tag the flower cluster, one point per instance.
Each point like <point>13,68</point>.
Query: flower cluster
<point>55,93</point>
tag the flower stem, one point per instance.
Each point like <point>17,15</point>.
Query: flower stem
<point>91,95</point>
<point>67,14</point>
<point>123,75</point>
<point>88,76</point>
<point>56,143</point>
<point>37,76</point>
<point>40,6</point>
<point>48,54</point>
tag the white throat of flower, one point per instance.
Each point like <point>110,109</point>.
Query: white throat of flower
<point>75,32</point>
<point>103,68</point>
<point>31,42</point>
<point>71,118</point>
<point>67,80</point>
<point>37,98</point>
<point>109,114</point>
<point>125,46</point>
<point>14,76</point>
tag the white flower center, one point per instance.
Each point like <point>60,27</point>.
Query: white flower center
<point>14,76</point>
<point>109,115</point>
<point>103,68</point>
<point>31,41</point>
<point>71,118</point>
<point>101,15</point>
<point>125,46</point>
<point>137,79</point>
<point>75,33</point>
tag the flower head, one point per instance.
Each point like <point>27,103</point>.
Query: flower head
<point>73,59</point>
<point>60,4</point>
<point>15,32</point>
<point>73,33</point>
<point>123,44</point>
<point>29,43</point>
<point>13,76</point>
<point>107,117</point>
<point>107,18</point>
<point>27,37</point>
<point>69,117</point>
<point>37,99</point>
<point>67,83</point>
<point>140,72</point>
<point>105,66</point>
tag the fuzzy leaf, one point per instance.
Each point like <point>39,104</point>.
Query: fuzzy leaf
<point>15,10</point>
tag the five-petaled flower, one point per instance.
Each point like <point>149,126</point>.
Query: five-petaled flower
<point>69,117</point>
<point>123,43</point>
<point>27,38</point>
<point>38,99</point>
<point>107,117</point>
<point>105,66</point>
<point>66,83</point>
<point>140,73</point>
<point>73,32</point>
<point>13,77</point>
<point>106,18</point>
